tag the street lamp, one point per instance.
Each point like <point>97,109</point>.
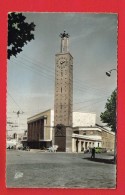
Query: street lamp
<point>108,73</point>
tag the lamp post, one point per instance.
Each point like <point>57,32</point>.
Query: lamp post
<point>108,73</point>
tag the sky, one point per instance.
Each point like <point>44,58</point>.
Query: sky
<point>31,75</point>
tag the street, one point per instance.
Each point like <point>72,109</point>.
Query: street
<point>59,170</point>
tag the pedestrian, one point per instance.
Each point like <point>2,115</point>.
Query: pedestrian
<point>93,153</point>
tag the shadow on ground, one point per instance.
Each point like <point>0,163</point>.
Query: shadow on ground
<point>108,161</point>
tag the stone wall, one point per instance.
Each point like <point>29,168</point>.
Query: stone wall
<point>108,140</point>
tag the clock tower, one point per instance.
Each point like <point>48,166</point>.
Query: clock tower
<point>63,103</point>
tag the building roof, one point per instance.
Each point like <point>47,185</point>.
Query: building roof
<point>40,115</point>
<point>95,128</point>
<point>87,137</point>
<point>86,128</point>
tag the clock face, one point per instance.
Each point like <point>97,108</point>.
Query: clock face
<point>61,62</point>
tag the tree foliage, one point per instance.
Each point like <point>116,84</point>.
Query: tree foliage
<point>109,115</point>
<point>19,33</point>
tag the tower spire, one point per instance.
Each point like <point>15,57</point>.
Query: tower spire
<point>64,42</point>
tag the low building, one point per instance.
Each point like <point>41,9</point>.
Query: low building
<point>93,136</point>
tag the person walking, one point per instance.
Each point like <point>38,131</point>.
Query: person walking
<point>93,153</point>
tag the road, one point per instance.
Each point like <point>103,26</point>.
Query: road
<point>59,170</point>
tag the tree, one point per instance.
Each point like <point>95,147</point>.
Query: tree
<point>19,33</point>
<point>109,115</point>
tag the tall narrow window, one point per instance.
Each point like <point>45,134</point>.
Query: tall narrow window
<point>61,89</point>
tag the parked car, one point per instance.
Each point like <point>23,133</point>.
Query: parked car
<point>52,148</point>
<point>19,146</point>
<point>11,147</point>
<point>100,150</point>
<point>11,144</point>
<point>27,148</point>
<point>87,151</point>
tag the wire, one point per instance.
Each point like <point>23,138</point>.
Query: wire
<point>90,105</point>
<point>36,71</point>
<point>50,70</point>
<point>50,77</point>
<point>14,101</point>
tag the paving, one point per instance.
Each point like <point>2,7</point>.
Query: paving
<point>36,169</point>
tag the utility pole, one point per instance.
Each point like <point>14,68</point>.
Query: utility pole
<point>18,122</point>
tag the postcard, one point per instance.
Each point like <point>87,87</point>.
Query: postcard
<point>62,98</point>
